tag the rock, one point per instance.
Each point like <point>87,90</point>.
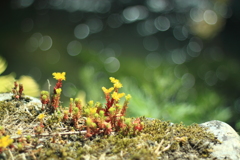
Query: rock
<point>33,101</point>
<point>230,147</point>
<point>5,96</point>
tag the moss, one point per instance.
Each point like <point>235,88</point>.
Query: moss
<point>158,139</point>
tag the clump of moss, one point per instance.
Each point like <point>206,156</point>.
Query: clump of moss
<point>95,132</point>
<point>158,140</point>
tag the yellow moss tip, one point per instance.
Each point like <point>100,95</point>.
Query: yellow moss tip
<point>106,91</point>
<point>59,90</point>
<point>113,80</point>
<point>90,103</point>
<point>116,82</point>
<point>5,141</point>
<point>19,132</point>
<point>59,76</point>
<point>89,122</point>
<point>93,111</point>
<point>41,116</point>
<point>118,85</point>
<point>128,97</point>
<point>116,96</point>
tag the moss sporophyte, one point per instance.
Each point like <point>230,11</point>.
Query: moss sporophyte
<point>91,131</point>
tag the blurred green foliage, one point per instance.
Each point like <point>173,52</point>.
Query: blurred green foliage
<point>158,92</point>
<point>31,88</point>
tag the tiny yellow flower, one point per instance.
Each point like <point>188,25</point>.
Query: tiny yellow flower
<point>5,141</point>
<point>116,96</point>
<point>59,90</point>
<point>113,80</point>
<point>106,91</point>
<point>90,103</point>
<point>59,76</point>
<point>128,97</point>
<point>19,132</point>
<point>93,111</point>
<point>41,116</point>
<point>117,85</point>
<point>116,82</point>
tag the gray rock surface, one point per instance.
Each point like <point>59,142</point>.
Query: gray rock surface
<point>229,149</point>
<point>35,101</point>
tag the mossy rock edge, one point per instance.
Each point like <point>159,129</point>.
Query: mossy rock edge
<point>158,140</point>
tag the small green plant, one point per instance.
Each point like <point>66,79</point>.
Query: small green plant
<point>17,90</point>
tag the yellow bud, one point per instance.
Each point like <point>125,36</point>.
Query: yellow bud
<point>44,97</point>
<point>116,96</point>
<point>19,131</point>
<point>58,91</point>
<point>118,85</point>
<point>111,110</point>
<point>41,116</point>
<point>87,111</point>
<point>106,91</point>
<point>128,97</point>
<point>128,121</point>
<point>113,80</point>
<point>93,111</point>
<point>90,103</point>
<point>101,113</point>
<point>89,122</point>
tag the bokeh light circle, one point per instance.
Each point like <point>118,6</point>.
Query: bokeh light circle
<point>178,56</point>
<point>95,25</point>
<point>81,31</point>
<point>180,33</point>
<point>106,53</point>
<point>69,89</point>
<point>162,23</point>
<point>210,17</point>
<point>112,64</point>
<point>45,43</point>
<point>196,14</point>
<point>74,48</point>
<point>131,14</point>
